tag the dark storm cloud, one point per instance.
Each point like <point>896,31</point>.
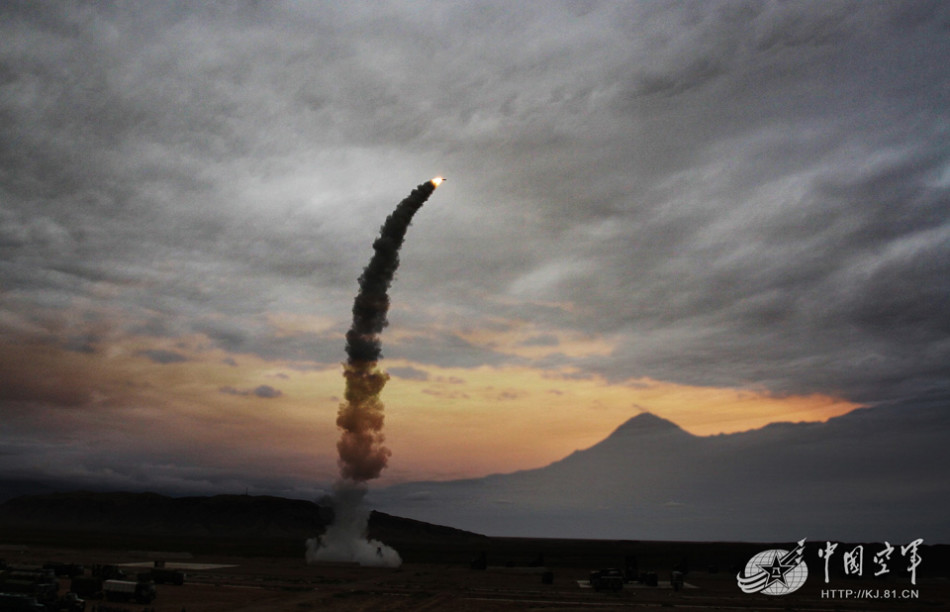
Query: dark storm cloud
<point>163,356</point>
<point>797,232</point>
<point>445,350</point>
<point>267,392</point>
<point>262,391</point>
<point>408,373</point>
<point>844,275</point>
<point>542,340</point>
<point>740,193</point>
<point>81,344</point>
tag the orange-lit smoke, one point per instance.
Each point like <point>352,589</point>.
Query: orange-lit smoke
<point>361,450</point>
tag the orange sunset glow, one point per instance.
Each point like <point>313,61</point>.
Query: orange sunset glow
<point>457,422</point>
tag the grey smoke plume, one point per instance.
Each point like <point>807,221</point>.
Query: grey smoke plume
<point>362,455</point>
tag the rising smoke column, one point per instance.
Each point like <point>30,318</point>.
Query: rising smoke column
<point>362,455</point>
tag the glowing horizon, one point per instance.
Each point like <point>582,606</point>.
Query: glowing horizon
<point>445,423</point>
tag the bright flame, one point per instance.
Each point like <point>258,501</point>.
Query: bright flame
<point>437,181</point>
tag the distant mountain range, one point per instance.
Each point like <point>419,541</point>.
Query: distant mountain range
<point>870,475</point>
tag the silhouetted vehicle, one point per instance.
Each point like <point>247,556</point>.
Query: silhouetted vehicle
<point>108,572</point>
<point>40,584</point>
<point>610,579</point>
<point>16,602</point>
<point>126,590</point>
<point>676,580</point>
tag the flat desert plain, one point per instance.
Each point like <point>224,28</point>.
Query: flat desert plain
<point>443,580</point>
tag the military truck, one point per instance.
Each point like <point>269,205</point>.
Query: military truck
<point>126,590</point>
<point>40,584</point>
<point>609,579</point>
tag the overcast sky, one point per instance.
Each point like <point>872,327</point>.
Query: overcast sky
<point>726,213</point>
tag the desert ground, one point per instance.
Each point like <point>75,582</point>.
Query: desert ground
<point>514,579</point>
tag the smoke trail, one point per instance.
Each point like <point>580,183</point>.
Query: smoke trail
<point>361,451</point>
<point>362,455</point>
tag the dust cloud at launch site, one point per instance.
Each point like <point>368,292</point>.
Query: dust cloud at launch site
<point>362,455</point>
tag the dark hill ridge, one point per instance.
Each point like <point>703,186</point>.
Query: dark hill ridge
<point>220,517</point>
<point>153,514</point>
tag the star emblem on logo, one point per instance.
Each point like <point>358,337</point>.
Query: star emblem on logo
<point>777,570</point>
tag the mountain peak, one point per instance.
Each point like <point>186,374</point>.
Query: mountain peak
<point>646,423</point>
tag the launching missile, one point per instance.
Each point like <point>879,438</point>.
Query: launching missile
<point>438,180</point>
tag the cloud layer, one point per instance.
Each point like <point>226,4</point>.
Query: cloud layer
<point>745,195</point>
